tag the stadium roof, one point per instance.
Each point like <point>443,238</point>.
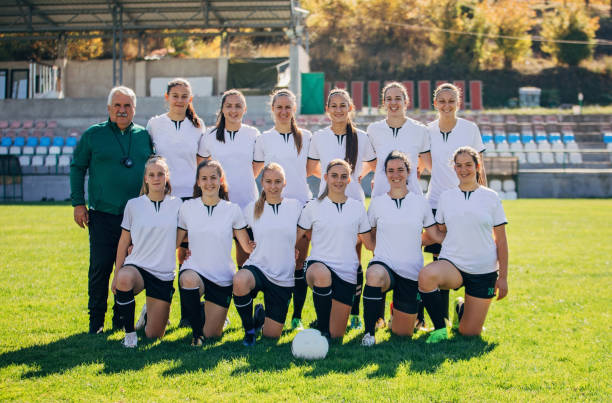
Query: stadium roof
<point>39,18</point>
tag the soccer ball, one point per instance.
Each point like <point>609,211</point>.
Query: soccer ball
<point>309,345</point>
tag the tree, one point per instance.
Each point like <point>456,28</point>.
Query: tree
<point>569,24</point>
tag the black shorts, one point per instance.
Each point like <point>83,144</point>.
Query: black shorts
<point>342,291</point>
<point>434,248</point>
<point>276,298</point>
<point>217,294</point>
<point>405,291</point>
<point>478,285</point>
<point>156,288</point>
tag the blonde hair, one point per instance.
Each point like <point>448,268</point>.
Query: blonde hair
<point>332,164</point>
<point>297,133</point>
<point>159,160</point>
<point>400,86</point>
<point>197,192</point>
<point>259,204</point>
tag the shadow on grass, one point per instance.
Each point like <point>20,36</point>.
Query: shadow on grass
<point>267,355</point>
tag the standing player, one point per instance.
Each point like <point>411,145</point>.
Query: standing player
<point>336,221</point>
<point>474,252</point>
<point>178,137</point>
<point>211,221</point>
<point>446,134</point>
<point>343,140</point>
<point>232,143</point>
<point>149,224</point>
<point>287,145</point>
<point>270,268</point>
<point>397,219</point>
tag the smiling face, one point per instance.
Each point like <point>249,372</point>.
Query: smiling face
<point>338,108</point>
<point>394,102</point>
<point>466,168</point>
<point>156,177</point>
<point>178,98</point>
<point>273,183</point>
<point>209,181</point>
<point>446,103</point>
<point>233,109</point>
<point>397,173</point>
<point>283,109</point>
<point>121,110</point>
<point>337,177</point>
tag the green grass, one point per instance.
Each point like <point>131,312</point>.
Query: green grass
<point>548,341</point>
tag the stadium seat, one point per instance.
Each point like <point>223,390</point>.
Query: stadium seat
<point>533,158</point>
<point>40,124</point>
<point>487,138</point>
<point>28,124</point>
<point>522,157</point>
<point>554,137</point>
<point>67,150</point>
<point>51,160</point>
<point>6,142</point>
<point>511,119</point>
<point>503,149</point>
<point>560,158</point>
<point>15,150</point>
<point>19,141</point>
<point>558,146</point>
<point>548,158</point>
<point>4,124</point>
<point>575,158</point>
<point>491,153</point>
<point>4,150</point>
<point>63,161</point>
<point>71,141</point>
<point>607,137</point>
<point>513,138</point>
<point>58,141</point>
<point>526,137</point>
<point>537,119</point>
<point>15,124</point>
<point>552,119</point>
<point>38,161</point>
<point>45,141</point>
<point>511,195</point>
<point>27,150</point>
<point>501,194</point>
<point>52,124</point>
<point>500,138</point>
<point>541,137</point>
<point>568,138</point>
<point>517,147</point>
<point>544,147</point>
<point>495,184</point>
<point>42,150</point>
<point>32,142</point>
<point>24,160</point>
<point>55,150</point>
<point>572,146</point>
<point>508,185</point>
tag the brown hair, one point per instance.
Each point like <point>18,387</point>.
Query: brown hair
<point>333,163</point>
<point>475,157</point>
<point>259,204</point>
<point>159,160</point>
<point>297,133</point>
<point>220,124</point>
<point>352,142</point>
<point>197,192</point>
<point>190,112</point>
<point>395,84</point>
<point>448,87</point>
<point>398,155</point>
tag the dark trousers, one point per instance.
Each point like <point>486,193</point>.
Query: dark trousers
<point>104,233</point>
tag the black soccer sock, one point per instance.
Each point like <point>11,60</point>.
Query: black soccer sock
<point>244,306</point>
<point>190,298</point>
<point>358,289</point>
<point>444,294</point>
<point>125,308</point>
<point>372,299</point>
<point>433,303</point>
<point>420,311</point>
<point>383,305</point>
<point>322,300</point>
<point>299,293</point>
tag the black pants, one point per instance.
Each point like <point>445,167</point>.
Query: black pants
<point>104,233</point>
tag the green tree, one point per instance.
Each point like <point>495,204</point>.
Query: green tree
<point>569,24</point>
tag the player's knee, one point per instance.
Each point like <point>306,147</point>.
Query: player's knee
<point>427,279</point>
<point>125,280</point>
<point>241,282</point>
<point>375,276</point>
<point>188,280</point>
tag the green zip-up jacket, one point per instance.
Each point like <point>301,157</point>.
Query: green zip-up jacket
<point>111,184</point>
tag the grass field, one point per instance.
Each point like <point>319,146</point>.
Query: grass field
<point>550,339</point>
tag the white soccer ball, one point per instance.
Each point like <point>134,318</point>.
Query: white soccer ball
<point>309,345</point>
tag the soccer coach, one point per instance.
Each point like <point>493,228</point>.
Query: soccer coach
<point>114,152</point>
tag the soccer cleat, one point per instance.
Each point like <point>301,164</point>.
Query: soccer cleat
<point>419,325</point>
<point>437,336</point>
<point>380,324</point>
<point>296,324</point>
<point>457,312</point>
<point>130,340</point>
<point>368,340</point>
<point>249,338</point>
<point>259,317</point>
<point>142,319</point>
<point>354,323</point>
<point>197,341</point>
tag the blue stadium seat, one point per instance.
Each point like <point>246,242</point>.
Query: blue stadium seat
<point>513,138</point>
<point>71,141</point>
<point>487,138</point>
<point>526,138</point>
<point>58,141</point>
<point>607,138</point>
<point>19,141</point>
<point>500,138</point>
<point>45,141</point>
<point>32,142</point>
<point>6,142</point>
<point>569,138</point>
<point>541,137</point>
<point>555,137</point>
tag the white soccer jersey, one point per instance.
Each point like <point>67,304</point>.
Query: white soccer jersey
<point>335,227</point>
<point>273,146</point>
<point>412,139</point>
<point>152,227</point>
<point>326,146</point>
<point>443,146</point>
<point>470,218</point>
<point>399,224</point>
<point>178,143</point>
<point>236,158</point>
<point>210,230</point>
<point>275,232</point>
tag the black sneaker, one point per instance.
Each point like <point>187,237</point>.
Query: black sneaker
<point>249,338</point>
<point>259,317</point>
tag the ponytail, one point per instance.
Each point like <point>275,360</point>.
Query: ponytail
<point>259,205</point>
<point>190,112</point>
<point>297,135</point>
<point>352,144</point>
<point>192,116</point>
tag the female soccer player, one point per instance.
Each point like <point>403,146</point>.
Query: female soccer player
<point>232,143</point>
<point>178,137</point>
<point>397,219</point>
<point>336,221</point>
<point>270,268</point>
<point>343,140</point>
<point>446,134</point>
<point>287,145</point>
<point>211,221</point>
<point>149,224</point>
<point>397,132</point>
<point>474,252</point>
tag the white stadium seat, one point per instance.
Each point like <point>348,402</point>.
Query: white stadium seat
<point>511,195</point>
<point>15,150</point>
<point>4,150</point>
<point>533,158</point>
<point>51,160</point>
<point>502,195</point>
<point>63,161</point>
<point>55,150</point>
<point>67,150</point>
<point>516,147</point>
<point>575,158</point>
<point>508,185</point>
<point>544,146</point>
<point>42,150</point>
<point>27,150</point>
<point>560,158</point>
<point>548,158</point>
<point>496,185</point>
<point>24,160</point>
<point>38,161</point>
